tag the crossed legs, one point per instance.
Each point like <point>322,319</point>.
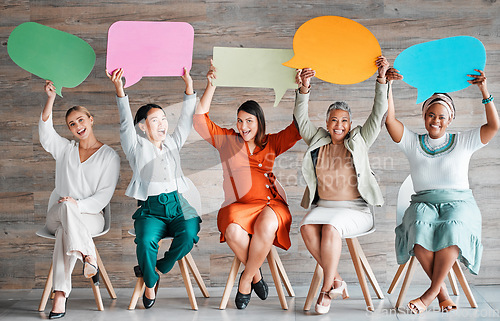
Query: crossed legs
<point>252,251</point>
<point>436,265</point>
<point>325,245</point>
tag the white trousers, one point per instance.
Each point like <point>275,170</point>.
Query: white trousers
<point>73,231</point>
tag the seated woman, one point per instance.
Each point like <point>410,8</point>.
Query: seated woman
<point>254,215</point>
<point>340,183</point>
<point>158,183</point>
<point>443,222</point>
<point>86,175</point>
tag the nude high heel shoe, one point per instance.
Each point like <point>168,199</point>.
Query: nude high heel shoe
<point>340,291</point>
<point>322,309</point>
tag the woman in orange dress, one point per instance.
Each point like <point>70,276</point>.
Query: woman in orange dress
<point>254,215</point>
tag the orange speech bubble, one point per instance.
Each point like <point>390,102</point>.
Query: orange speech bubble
<point>341,50</point>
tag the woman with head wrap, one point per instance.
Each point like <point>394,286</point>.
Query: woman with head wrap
<point>443,222</point>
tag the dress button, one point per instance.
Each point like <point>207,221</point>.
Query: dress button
<point>268,203</point>
<point>260,165</point>
<point>269,197</point>
<point>267,186</point>
<point>265,174</point>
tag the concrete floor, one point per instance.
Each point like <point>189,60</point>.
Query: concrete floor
<point>173,304</point>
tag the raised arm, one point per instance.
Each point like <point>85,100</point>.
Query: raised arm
<point>185,122</point>
<point>51,141</point>
<point>394,126</point>
<point>206,99</point>
<point>128,135</point>
<point>301,111</point>
<point>371,127</point>
<point>488,130</point>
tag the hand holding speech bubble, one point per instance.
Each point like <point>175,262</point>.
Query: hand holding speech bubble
<point>341,50</point>
<point>255,68</point>
<point>441,65</point>
<point>149,49</point>
<point>51,54</point>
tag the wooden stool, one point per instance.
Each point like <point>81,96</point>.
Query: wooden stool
<point>362,268</point>
<point>184,263</point>
<point>44,232</point>
<point>277,271</point>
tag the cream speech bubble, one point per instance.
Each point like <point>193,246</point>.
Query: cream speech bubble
<point>340,50</point>
<point>254,67</point>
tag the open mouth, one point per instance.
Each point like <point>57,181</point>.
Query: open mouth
<point>245,133</point>
<point>338,131</point>
<point>162,131</point>
<point>81,131</point>
<point>435,126</point>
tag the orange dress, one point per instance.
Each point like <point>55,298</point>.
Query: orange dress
<point>249,183</point>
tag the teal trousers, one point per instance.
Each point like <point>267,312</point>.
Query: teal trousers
<point>158,217</point>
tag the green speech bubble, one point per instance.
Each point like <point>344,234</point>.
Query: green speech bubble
<point>254,67</point>
<point>51,54</point>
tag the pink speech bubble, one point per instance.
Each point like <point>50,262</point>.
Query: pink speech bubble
<point>151,49</point>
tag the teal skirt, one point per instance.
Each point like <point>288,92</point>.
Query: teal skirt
<point>437,219</point>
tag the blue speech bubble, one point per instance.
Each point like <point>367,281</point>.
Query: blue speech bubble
<point>441,65</point>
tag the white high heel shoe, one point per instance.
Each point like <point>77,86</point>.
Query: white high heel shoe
<point>340,291</point>
<point>322,309</point>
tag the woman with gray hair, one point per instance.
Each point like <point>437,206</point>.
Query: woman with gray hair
<point>340,183</point>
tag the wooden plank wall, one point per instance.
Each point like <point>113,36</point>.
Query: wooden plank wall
<point>27,171</point>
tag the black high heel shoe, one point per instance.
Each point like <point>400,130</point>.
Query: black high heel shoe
<point>241,300</point>
<point>58,315</point>
<point>261,288</point>
<point>148,303</point>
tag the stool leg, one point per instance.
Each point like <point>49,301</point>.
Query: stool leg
<point>105,277</point>
<point>406,282</point>
<point>314,287</point>
<point>353,250</point>
<point>282,272</point>
<point>187,283</point>
<point>369,272</point>
<point>138,290</point>
<point>453,282</point>
<point>97,296</point>
<point>397,278</point>
<point>46,291</point>
<point>277,281</point>
<point>235,266</point>
<point>197,276</point>
<point>465,285</point>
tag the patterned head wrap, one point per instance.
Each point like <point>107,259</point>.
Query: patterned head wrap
<point>442,99</point>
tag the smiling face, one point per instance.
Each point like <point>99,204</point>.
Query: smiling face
<point>80,124</point>
<point>338,125</point>
<point>247,125</point>
<point>155,126</point>
<point>437,120</point>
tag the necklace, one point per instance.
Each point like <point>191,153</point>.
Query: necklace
<point>96,141</point>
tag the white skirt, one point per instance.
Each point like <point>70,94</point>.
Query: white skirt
<point>347,217</point>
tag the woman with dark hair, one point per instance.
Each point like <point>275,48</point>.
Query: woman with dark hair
<point>443,221</point>
<point>254,215</point>
<point>86,175</point>
<point>158,183</point>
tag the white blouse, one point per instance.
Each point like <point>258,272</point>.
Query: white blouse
<point>155,171</point>
<point>442,163</point>
<point>92,182</point>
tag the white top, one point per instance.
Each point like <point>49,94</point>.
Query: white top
<point>91,183</point>
<point>441,163</point>
<point>155,171</point>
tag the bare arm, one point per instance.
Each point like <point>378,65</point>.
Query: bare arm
<point>206,100</point>
<point>116,79</point>
<point>488,130</point>
<point>50,89</point>
<point>394,126</point>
